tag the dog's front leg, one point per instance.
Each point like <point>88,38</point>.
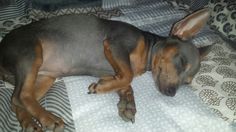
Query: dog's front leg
<point>126,105</point>
<point>123,73</point>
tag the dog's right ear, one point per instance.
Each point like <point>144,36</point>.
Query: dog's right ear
<point>189,26</point>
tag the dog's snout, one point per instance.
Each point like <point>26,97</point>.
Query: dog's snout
<point>170,91</point>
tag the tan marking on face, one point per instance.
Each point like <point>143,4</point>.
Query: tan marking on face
<point>163,66</point>
<point>169,72</point>
<point>138,57</point>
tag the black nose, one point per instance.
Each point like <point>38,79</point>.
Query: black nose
<point>170,91</point>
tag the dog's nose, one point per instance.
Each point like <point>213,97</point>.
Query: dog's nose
<point>171,91</point>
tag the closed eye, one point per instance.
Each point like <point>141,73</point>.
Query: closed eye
<point>180,63</point>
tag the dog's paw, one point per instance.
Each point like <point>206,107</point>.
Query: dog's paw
<point>51,122</point>
<point>127,110</point>
<point>92,88</point>
<point>31,125</point>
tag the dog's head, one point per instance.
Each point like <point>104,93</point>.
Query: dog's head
<point>176,60</point>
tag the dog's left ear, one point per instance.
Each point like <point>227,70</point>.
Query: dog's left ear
<point>189,26</point>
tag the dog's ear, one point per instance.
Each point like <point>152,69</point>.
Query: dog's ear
<point>203,51</point>
<point>190,25</point>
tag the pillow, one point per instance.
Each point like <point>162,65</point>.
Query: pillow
<point>223,18</point>
<point>190,5</point>
<point>215,83</point>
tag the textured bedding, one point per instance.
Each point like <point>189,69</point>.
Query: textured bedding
<point>215,83</point>
<point>56,101</point>
<point>208,105</point>
<point>155,112</point>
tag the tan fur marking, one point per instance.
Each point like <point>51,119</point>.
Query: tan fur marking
<point>162,65</point>
<point>43,84</point>
<point>126,93</point>
<point>28,86</point>
<point>138,57</point>
<point>122,78</point>
<point>155,65</point>
<point>28,89</point>
<point>168,68</point>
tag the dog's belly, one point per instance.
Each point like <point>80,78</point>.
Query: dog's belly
<point>85,58</point>
<point>58,67</point>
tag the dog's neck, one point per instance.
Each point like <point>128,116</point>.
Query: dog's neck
<point>152,41</point>
<point>149,58</point>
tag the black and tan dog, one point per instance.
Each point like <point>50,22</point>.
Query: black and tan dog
<point>116,52</point>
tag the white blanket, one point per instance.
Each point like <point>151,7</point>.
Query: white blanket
<point>155,112</point>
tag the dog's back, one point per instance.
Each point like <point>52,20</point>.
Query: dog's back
<point>66,38</point>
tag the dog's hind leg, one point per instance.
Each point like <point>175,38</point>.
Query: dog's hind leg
<point>43,84</point>
<point>26,78</point>
<point>27,121</point>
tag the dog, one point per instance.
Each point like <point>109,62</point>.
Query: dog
<point>38,53</point>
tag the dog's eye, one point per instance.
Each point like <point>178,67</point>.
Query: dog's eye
<point>180,63</point>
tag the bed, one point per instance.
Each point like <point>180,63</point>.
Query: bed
<point>207,105</point>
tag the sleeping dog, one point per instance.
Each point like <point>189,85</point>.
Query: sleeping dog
<point>38,53</point>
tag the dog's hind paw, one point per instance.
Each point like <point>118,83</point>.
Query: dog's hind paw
<point>51,122</point>
<point>127,110</point>
<point>31,125</point>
